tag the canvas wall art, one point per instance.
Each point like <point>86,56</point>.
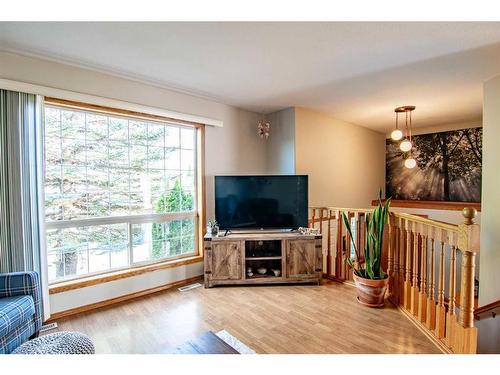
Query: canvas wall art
<point>448,167</point>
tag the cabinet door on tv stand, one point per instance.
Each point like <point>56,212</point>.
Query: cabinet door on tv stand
<point>226,260</point>
<point>301,258</point>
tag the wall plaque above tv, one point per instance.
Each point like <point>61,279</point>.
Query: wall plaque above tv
<point>261,202</point>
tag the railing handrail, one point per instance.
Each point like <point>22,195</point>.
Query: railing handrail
<point>422,220</point>
<point>331,208</point>
<point>415,218</point>
<point>486,309</point>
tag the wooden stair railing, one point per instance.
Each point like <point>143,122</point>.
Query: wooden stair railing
<point>421,257</point>
<point>491,310</point>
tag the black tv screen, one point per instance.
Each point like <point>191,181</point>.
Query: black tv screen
<point>261,202</point>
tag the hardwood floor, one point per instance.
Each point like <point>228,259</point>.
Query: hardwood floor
<point>269,319</point>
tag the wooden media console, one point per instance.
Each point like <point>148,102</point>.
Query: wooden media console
<point>281,257</point>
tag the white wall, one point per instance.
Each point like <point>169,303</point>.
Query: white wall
<point>281,142</point>
<point>102,292</point>
<point>234,148</point>
<point>489,288</point>
<point>488,341</point>
<point>345,162</point>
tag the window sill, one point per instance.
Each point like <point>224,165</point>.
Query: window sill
<point>100,279</point>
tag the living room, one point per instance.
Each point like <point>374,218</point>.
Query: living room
<point>167,190</point>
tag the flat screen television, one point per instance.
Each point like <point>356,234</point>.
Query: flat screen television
<point>261,202</point>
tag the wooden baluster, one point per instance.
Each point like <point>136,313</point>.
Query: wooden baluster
<point>451,318</point>
<point>396,250</point>
<point>362,232</point>
<point>402,253</point>
<point>390,257</point>
<point>313,216</point>
<point>430,321</point>
<point>441,308</point>
<point>321,218</point>
<point>407,283</point>
<point>338,255</point>
<point>328,267</point>
<point>347,254</point>
<point>345,251</point>
<point>422,297</point>
<point>414,268</point>
<point>465,340</point>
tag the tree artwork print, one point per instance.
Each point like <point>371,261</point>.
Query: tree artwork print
<point>448,167</point>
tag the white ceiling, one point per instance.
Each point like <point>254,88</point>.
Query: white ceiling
<point>357,72</point>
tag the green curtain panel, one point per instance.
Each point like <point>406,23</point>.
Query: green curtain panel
<point>21,158</point>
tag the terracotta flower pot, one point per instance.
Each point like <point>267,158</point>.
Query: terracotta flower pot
<point>371,292</point>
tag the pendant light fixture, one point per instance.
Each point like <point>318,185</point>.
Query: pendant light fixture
<point>410,163</point>
<point>406,144</point>
<point>396,134</point>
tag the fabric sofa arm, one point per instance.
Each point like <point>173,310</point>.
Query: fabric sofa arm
<point>23,283</point>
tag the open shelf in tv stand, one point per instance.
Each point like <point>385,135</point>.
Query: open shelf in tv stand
<point>298,257</point>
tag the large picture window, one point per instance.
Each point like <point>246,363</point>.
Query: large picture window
<point>120,191</point>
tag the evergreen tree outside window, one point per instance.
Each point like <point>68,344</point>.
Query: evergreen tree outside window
<point>119,191</point>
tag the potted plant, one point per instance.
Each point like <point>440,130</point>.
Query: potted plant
<point>213,227</point>
<point>370,279</point>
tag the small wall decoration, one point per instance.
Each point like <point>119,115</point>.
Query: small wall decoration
<point>263,128</point>
<point>448,167</point>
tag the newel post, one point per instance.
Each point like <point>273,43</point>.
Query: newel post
<point>468,243</point>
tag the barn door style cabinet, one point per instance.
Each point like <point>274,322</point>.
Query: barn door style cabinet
<point>262,258</point>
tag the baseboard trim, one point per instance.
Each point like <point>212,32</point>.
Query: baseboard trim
<point>116,300</point>
<point>439,344</point>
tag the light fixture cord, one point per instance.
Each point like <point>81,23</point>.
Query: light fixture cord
<point>406,124</point>
<point>411,149</point>
<point>410,127</point>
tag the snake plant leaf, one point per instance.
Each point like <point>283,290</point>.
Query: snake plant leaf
<point>371,266</point>
<point>348,226</point>
<point>369,269</point>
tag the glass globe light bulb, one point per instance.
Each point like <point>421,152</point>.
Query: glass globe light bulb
<point>405,146</point>
<point>410,163</point>
<point>396,135</point>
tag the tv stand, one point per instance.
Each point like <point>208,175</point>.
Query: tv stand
<point>262,258</point>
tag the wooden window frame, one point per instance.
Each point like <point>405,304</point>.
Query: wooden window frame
<point>135,269</point>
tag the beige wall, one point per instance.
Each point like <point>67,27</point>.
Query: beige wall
<point>234,148</point>
<point>345,162</point>
<point>281,142</point>
<point>489,288</point>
